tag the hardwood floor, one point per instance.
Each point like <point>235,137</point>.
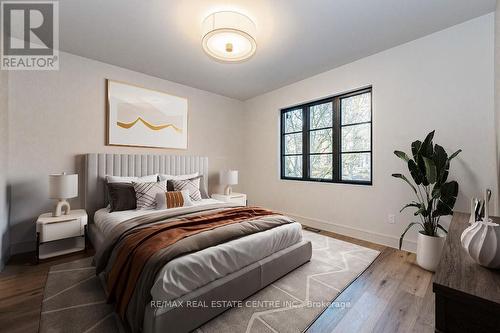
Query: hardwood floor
<point>21,291</point>
<point>392,295</point>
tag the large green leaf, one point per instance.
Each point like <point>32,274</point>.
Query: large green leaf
<point>421,168</point>
<point>403,177</point>
<point>440,158</point>
<point>430,170</point>
<point>415,147</point>
<point>427,148</point>
<point>402,155</point>
<point>417,157</point>
<point>415,172</point>
<point>447,199</point>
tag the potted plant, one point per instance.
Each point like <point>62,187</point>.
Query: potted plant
<point>435,197</point>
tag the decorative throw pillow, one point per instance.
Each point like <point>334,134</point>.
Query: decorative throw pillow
<point>145,193</point>
<point>121,197</point>
<point>170,187</point>
<point>128,180</point>
<point>190,185</point>
<point>203,191</point>
<point>173,199</point>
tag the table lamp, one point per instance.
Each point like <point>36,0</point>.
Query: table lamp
<point>62,187</point>
<point>228,178</point>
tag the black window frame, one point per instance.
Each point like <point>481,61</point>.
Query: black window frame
<point>337,139</point>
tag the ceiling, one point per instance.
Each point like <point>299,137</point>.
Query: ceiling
<point>295,38</point>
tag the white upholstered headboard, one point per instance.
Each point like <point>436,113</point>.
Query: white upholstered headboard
<point>98,166</point>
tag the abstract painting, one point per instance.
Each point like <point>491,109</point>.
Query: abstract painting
<point>145,118</point>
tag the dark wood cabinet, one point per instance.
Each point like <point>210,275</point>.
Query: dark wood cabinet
<point>467,294</point>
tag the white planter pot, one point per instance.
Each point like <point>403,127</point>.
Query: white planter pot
<point>429,250</point>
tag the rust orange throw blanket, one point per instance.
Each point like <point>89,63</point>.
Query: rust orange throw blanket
<point>139,246</point>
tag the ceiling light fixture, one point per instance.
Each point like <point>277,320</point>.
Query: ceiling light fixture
<point>229,36</point>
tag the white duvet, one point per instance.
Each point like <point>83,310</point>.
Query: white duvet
<point>190,272</point>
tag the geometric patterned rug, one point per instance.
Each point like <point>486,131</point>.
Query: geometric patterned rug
<point>74,299</point>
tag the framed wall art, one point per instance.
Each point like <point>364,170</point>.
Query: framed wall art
<point>143,117</point>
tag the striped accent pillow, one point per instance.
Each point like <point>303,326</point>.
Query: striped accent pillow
<point>145,193</point>
<point>190,185</point>
<point>174,199</point>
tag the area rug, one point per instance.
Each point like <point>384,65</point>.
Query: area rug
<point>74,299</point>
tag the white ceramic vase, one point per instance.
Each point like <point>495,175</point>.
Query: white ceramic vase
<point>481,241</point>
<point>429,250</point>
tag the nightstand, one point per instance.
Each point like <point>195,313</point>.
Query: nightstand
<point>60,235</point>
<point>238,198</point>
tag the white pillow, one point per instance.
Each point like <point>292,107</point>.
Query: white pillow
<point>161,200</point>
<point>144,179</point>
<point>145,193</point>
<point>178,177</point>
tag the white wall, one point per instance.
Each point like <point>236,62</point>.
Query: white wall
<point>443,81</point>
<point>56,115</point>
<point>4,217</point>
<point>497,87</point>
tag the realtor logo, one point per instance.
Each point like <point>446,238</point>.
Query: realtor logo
<point>30,35</point>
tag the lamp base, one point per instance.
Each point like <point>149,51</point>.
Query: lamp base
<point>228,190</point>
<point>62,205</point>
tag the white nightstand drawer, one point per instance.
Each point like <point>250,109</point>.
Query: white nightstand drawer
<point>58,235</point>
<point>237,198</point>
<point>60,230</point>
<point>242,200</point>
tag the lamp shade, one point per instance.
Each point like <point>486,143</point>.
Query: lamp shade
<point>228,177</point>
<point>229,36</point>
<point>63,186</point>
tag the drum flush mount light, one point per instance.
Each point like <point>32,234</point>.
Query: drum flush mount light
<point>229,36</point>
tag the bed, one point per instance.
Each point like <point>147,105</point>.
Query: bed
<point>192,288</point>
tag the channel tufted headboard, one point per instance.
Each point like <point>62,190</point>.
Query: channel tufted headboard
<point>98,166</point>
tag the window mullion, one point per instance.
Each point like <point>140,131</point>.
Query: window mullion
<point>336,140</point>
<point>282,146</point>
<point>282,143</point>
<point>305,142</point>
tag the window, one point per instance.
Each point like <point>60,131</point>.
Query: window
<point>329,140</point>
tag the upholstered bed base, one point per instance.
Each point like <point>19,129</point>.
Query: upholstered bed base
<point>214,298</point>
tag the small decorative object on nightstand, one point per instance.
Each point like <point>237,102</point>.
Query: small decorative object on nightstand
<point>62,187</point>
<point>61,234</point>
<point>228,178</point>
<point>238,198</point>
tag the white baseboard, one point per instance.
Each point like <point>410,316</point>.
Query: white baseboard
<point>374,237</point>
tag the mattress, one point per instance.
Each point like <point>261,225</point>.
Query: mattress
<point>190,272</point>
